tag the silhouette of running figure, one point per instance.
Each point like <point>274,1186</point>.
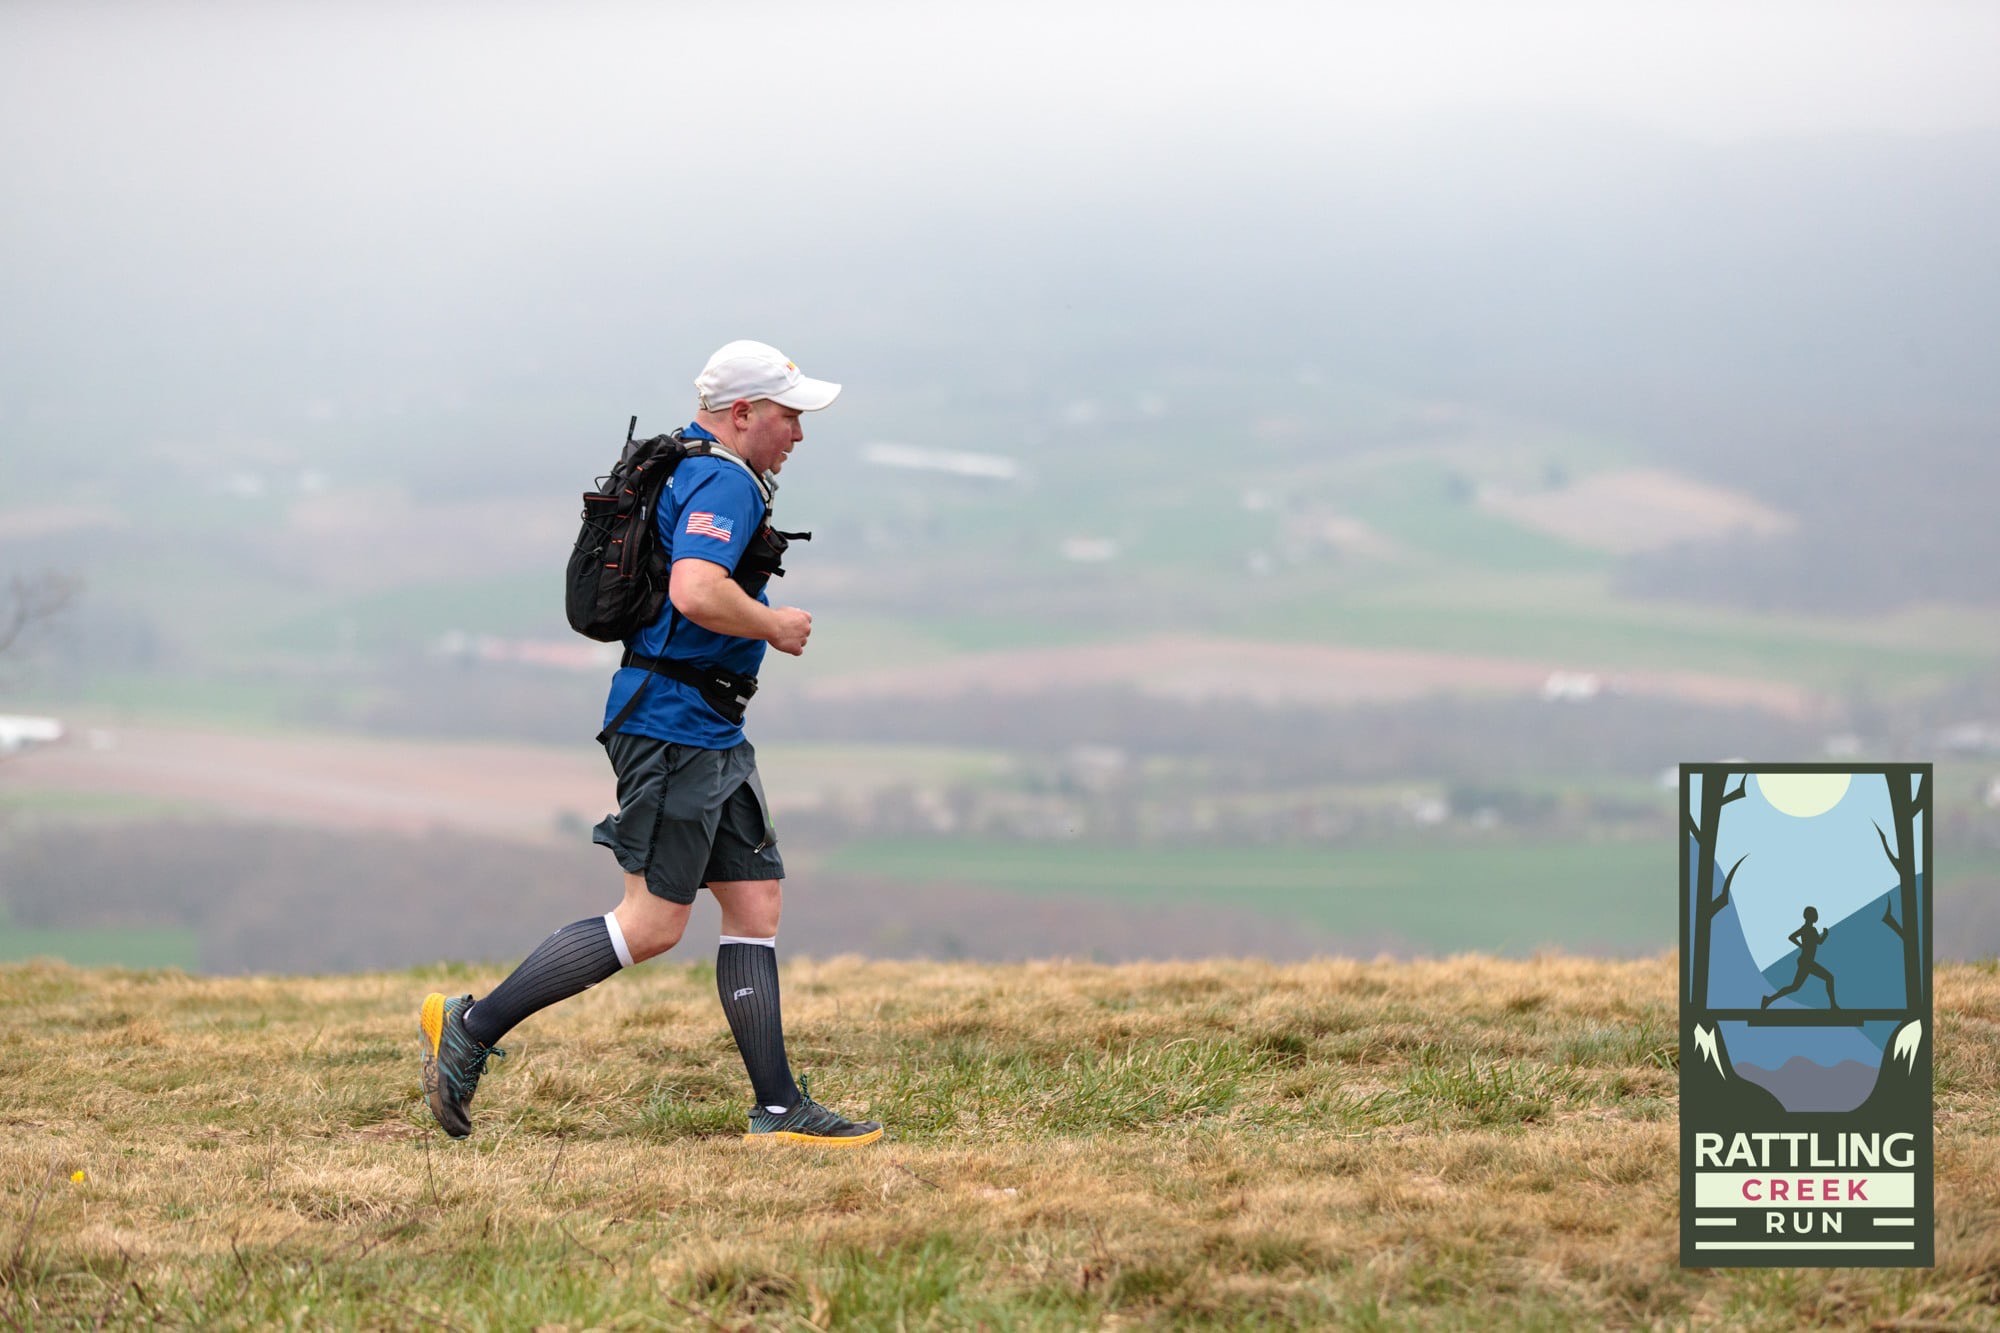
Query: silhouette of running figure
<point>1808,941</point>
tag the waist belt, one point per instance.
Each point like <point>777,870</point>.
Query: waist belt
<point>724,691</point>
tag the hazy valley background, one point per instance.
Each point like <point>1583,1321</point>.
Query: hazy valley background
<point>1399,441</point>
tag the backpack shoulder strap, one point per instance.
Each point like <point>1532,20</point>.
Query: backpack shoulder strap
<point>765,486</point>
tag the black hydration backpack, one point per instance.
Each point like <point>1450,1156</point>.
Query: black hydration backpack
<point>617,571</point>
<point>617,582</point>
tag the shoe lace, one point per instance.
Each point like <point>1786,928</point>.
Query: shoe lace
<point>811,1115</point>
<point>810,1110</point>
<point>467,1075</point>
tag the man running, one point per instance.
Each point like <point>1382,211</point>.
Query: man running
<point>692,812</point>
<point>1808,941</point>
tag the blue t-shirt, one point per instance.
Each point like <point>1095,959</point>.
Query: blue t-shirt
<point>709,510</point>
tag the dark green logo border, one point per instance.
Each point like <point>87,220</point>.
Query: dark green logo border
<point>1785,1160</point>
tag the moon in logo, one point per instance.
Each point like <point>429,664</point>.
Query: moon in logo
<point>1803,795</point>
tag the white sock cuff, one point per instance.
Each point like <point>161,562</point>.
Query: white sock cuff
<point>771,943</point>
<point>618,939</point>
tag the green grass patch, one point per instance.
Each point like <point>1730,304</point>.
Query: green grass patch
<point>207,600</point>
<point>1970,871</point>
<point>973,1082</point>
<point>92,807</point>
<point>1590,630</point>
<point>1430,507</point>
<point>843,644</point>
<point>106,946</point>
<point>852,767</point>
<point>220,699</point>
<point>1202,534</point>
<point>1501,895</point>
<point>417,614</point>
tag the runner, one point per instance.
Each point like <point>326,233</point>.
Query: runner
<point>692,812</point>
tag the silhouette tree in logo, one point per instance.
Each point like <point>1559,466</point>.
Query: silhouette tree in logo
<point>1908,810</point>
<point>1705,833</point>
<point>1808,941</point>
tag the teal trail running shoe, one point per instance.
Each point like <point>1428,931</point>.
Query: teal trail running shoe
<point>809,1122</point>
<point>453,1062</point>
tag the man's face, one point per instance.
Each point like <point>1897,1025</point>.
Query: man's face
<point>770,434</point>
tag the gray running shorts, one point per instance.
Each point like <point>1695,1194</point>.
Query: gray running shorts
<point>688,816</point>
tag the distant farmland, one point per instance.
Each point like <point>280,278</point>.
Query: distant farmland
<point>1500,896</point>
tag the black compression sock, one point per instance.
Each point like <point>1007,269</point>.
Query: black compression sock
<point>573,959</point>
<point>746,976</point>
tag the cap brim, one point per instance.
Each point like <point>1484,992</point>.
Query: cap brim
<point>808,395</point>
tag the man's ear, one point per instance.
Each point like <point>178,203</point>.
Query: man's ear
<point>740,413</point>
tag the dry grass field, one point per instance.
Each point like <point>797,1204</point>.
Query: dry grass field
<point>1465,1143</point>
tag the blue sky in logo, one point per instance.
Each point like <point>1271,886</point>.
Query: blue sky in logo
<point>1832,861</point>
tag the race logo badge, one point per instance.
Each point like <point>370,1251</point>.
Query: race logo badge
<point>1806,1015</point>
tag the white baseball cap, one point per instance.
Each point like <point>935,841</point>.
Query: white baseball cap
<point>753,370</point>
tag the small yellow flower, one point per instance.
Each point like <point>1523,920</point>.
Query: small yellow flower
<point>76,1176</point>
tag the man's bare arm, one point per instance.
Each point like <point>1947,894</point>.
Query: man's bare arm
<point>702,591</point>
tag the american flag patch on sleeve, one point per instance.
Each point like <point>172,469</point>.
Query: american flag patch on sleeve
<point>703,524</point>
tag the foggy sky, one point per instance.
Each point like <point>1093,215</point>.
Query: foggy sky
<point>232,222</point>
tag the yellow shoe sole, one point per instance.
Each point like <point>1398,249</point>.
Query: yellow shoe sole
<point>431,1020</point>
<point>783,1136</point>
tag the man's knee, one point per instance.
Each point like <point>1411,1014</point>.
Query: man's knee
<point>653,931</point>
<point>651,924</point>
